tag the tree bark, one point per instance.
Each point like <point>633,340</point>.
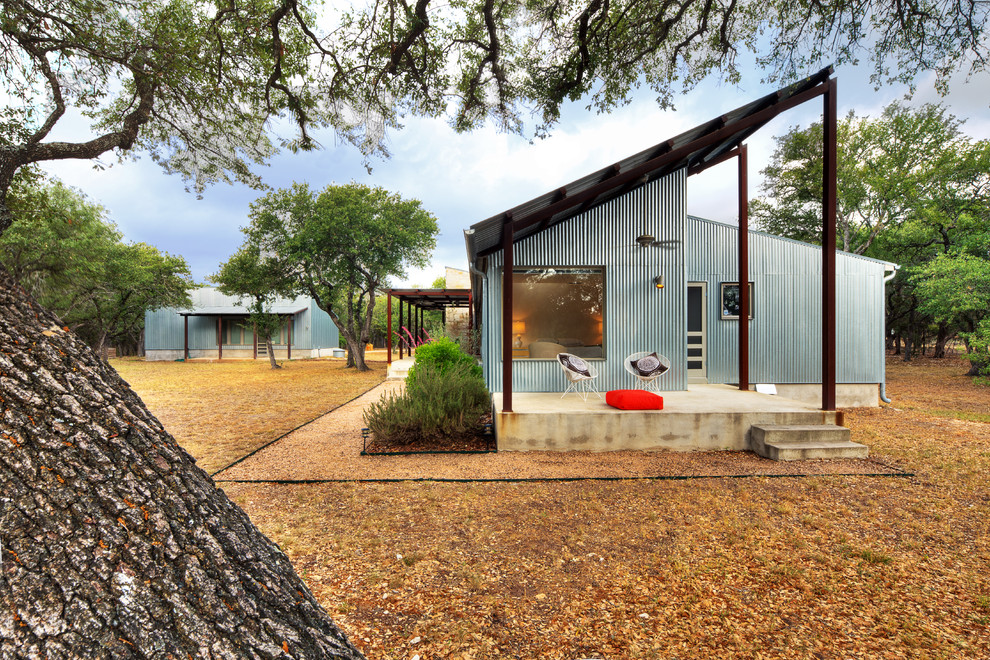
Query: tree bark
<point>941,339</point>
<point>271,353</point>
<point>355,354</point>
<point>114,543</point>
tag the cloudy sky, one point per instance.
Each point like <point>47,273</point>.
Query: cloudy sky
<point>465,178</point>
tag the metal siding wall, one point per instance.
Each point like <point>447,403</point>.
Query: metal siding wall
<point>324,332</point>
<point>162,330</point>
<point>786,328</point>
<point>202,332</point>
<point>302,330</point>
<point>638,316</point>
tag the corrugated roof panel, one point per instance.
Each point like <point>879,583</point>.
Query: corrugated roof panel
<point>487,234</point>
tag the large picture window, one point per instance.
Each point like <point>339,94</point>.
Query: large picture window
<point>558,310</point>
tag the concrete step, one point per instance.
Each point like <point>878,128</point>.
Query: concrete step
<point>796,443</point>
<point>399,369</point>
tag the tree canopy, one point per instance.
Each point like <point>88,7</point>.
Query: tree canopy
<point>341,246</point>
<point>195,84</point>
<point>69,257</point>
<point>914,190</point>
<point>250,275</point>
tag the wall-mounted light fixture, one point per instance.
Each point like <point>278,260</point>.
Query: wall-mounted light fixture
<point>658,281</point>
<point>645,240</point>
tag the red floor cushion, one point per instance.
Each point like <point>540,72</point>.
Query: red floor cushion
<point>634,400</point>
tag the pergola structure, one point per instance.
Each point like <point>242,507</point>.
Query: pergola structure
<point>412,304</point>
<point>696,150</point>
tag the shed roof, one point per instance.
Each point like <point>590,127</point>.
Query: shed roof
<point>695,149</point>
<point>433,298</point>
<point>239,310</point>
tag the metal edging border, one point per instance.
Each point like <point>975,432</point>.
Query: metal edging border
<point>428,452</point>
<point>272,442</point>
<point>303,482</point>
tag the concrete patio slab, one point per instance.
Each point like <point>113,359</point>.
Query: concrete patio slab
<point>704,417</point>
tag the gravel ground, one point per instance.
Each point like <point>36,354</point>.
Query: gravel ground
<point>329,449</point>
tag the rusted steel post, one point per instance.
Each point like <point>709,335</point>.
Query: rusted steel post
<point>744,301</point>
<point>288,340</point>
<point>254,334</point>
<point>401,328</point>
<point>219,338</point>
<point>388,333</point>
<point>507,315</point>
<point>185,338</point>
<point>829,203</point>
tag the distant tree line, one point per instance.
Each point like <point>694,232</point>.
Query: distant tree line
<point>69,257</point>
<point>914,190</point>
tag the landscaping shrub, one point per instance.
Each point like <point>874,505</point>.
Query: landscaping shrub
<point>443,354</point>
<point>437,405</point>
<point>979,355</point>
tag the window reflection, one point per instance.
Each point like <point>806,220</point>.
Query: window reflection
<point>558,310</point>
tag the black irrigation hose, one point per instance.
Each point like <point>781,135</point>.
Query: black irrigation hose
<point>303,482</point>
<point>269,444</point>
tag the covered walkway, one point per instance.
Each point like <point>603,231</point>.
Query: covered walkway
<point>412,304</point>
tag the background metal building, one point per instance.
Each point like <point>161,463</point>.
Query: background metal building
<point>164,329</point>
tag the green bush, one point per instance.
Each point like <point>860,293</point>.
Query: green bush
<point>438,405</point>
<point>979,355</point>
<point>442,354</point>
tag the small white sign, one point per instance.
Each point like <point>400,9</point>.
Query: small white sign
<point>766,388</point>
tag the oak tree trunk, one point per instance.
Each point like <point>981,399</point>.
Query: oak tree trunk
<point>114,543</point>
<point>941,340</point>
<point>355,352</point>
<point>271,353</point>
<point>355,355</point>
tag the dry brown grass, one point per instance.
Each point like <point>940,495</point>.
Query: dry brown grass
<point>220,411</point>
<point>821,567</point>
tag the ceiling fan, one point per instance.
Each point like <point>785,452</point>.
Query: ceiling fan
<point>648,240</point>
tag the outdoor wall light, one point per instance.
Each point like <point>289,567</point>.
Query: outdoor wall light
<point>658,281</point>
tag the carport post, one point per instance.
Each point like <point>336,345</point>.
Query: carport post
<point>743,264</point>
<point>507,314</point>
<point>829,194</point>
<point>388,333</point>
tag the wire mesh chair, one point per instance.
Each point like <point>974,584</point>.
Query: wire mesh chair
<point>647,370</point>
<point>579,374</point>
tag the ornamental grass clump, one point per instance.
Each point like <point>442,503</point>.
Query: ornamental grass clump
<point>437,405</point>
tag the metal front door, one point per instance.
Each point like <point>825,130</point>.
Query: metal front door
<point>697,347</point>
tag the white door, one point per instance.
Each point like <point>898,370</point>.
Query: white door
<point>697,344</point>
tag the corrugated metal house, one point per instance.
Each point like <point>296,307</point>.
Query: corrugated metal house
<point>611,265</point>
<point>216,327</point>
